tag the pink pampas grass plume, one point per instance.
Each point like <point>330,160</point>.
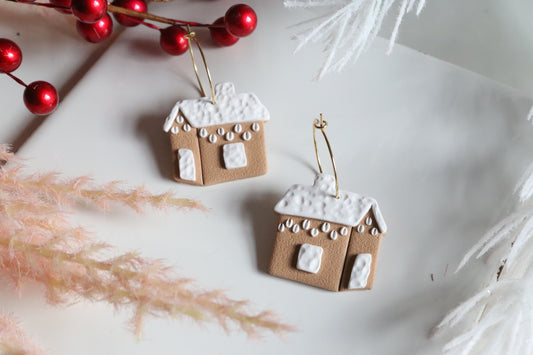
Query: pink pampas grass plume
<point>38,243</point>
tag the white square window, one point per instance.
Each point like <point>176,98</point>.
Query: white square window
<point>234,155</point>
<point>309,258</point>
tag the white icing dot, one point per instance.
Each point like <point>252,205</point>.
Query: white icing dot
<point>212,138</point>
<point>306,224</point>
<point>360,228</point>
<point>180,119</point>
<point>374,231</point>
<point>246,136</point>
<point>203,133</point>
<point>368,221</point>
<point>325,227</point>
<point>281,227</point>
<point>295,228</point>
<point>175,130</point>
<point>289,223</point>
<point>229,136</point>
<point>344,231</point>
<point>333,235</point>
<point>256,127</point>
<point>186,127</point>
<point>220,131</point>
<point>314,232</point>
<point>237,128</point>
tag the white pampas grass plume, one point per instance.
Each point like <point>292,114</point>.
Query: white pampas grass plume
<point>499,318</point>
<point>524,189</point>
<point>349,27</point>
<point>530,114</point>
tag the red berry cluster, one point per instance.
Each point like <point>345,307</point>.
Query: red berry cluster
<point>94,23</point>
<point>240,21</point>
<point>40,97</point>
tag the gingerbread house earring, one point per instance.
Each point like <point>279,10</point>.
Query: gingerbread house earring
<point>219,138</point>
<point>326,237</point>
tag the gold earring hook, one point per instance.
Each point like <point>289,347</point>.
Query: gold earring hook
<point>321,124</point>
<point>191,36</point>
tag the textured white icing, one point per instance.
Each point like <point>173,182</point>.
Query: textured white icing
<point>281,227</point>
<point>203,133</point>
<point>344,231</point>
<point>230,136</point>
<point>229,108</point>
<point>186,164</point>
<point>212,138</point>
<point>374,231</point>
<point>175,130</point>
<point>295,228</point>
<point>234,155</point>
<point>361,228</point>
<point>289,223</point>
<point>319,202</point>
<point>238,128</point>
<point>256,127</point>
<point>368,221</point>
<point>186,127</point>
<point>306,224</point>
<point>168,122</point>
<point>179,119</point>
<point>360,271</point>
<point>314,232</point>
<point>220,131</point>
<point>246,136</point>
<point>325,227</point>
<point>309,258</point>
<point>333,235</point>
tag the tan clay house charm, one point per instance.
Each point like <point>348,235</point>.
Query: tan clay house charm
<point>327,242</point>
<point>327,237</point>
<point>213,143</point>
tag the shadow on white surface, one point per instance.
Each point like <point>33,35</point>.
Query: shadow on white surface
<point>157,141</point>
<point>257,210</point>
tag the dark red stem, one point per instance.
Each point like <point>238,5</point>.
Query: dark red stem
<point>16,79</point>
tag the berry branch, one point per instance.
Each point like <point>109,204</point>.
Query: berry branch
<point>95,24</point>
<point>40,97</point>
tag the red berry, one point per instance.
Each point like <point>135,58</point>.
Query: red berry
<point>173,40</point>
<point>96,32</point>
<point>40,98</point>
<point>89,10</point>
<point>10,55</point>
<point>135,5</point>
<point>240,20</point>
<point>62,3</point>
<point>220,35</point>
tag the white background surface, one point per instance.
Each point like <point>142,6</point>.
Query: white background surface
<point>440,148</point>
<point>489,37</point>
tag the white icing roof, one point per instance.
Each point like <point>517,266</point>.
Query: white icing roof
<point>230,108</point>
<point>319,202</point>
